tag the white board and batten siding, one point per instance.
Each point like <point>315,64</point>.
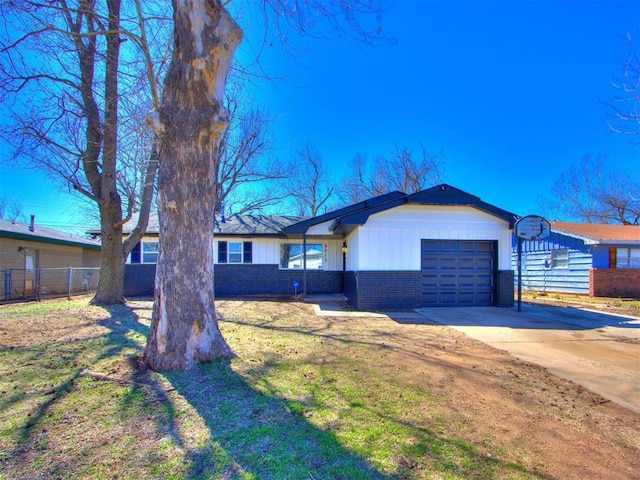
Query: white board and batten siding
<point>391,240</point>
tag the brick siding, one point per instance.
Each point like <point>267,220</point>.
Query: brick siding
<point>622,282</point>
<point>270,280</point>
<point>505,288</point>
<point>139,280</point>
<point>384,290</point>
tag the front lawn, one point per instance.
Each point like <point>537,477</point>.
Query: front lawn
<point>307,398</point>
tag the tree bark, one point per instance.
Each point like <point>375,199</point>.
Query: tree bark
<point>110,286</point>
<point>184,328</point>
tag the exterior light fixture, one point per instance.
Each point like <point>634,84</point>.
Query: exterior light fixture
<point>345,249</point>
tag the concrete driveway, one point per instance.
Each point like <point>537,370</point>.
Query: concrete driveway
<point>596,350</point>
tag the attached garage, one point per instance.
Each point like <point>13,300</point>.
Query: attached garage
<point>438,247</point>
<point>458,273</point>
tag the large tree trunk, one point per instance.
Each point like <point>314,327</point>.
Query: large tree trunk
<point>184,328</point>
<point>110,286</point>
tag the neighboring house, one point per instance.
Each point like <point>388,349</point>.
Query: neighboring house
<point>594,259</point>
<point>29,247</point>
<point>438,247</point>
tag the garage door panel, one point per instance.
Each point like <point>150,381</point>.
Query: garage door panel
<point>468,297</point>
<point>486,297</point>
<point>447,263</point>
<point>448,246</point>
<point>430,263</point>
<point>457,272</point>
<point>430,278</point>
<point>430,298</point>
<point>484,264</point>
<point>448,281</point>
<point>466,281</point>
<point>467,247</point>
<point>447,297</point>
<point>467,263</point>
<point>484,246</point>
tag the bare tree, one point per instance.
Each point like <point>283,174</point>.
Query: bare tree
<point>11,209</point>
<point>191,123</point>
<point>592,192</point>
<point>247,167</point>
<point>64,114</point>
<point>402,170</point>
<point>624,109</point>
<point>310,188</point>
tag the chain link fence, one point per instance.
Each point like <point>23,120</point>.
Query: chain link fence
<point>40,283</point>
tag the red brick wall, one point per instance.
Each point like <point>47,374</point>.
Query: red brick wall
<point>623,282</point>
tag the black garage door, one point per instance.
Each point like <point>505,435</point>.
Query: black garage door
<point>458,272</point>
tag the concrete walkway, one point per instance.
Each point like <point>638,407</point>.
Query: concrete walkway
<point>599,351</point>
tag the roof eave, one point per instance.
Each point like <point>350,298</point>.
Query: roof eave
<point>51,241</point>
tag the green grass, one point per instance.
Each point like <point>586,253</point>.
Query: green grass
<point>300,402</point>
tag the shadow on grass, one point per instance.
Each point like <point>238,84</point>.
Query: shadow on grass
<point>254,435</point>
<point>49,370</point>
<point>250,434</point>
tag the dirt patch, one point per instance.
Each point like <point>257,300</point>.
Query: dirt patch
<point>618,306</point>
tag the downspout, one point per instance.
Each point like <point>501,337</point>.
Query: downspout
<point>304,265</point>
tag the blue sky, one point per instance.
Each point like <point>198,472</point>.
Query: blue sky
<point>509,91</point>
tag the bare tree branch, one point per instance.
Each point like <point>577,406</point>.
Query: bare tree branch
<point>592,192</point>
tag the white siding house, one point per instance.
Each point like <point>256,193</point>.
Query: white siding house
<point>441,246</point>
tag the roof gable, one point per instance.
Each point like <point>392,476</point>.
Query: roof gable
<point>447,195</point>
<point>440,195</point>
<point>381,202</point>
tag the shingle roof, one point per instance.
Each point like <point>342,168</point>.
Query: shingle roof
<point>600,232</point>
<point>44,234</point>
<point>232,225</point>
<point>255,224</point>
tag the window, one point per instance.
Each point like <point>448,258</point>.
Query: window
<point>144,252</point>
<point>628,257</point>
<point>291,256</point>
<point>235,252</point>
<point>560,258</point>
<point>150,252</point>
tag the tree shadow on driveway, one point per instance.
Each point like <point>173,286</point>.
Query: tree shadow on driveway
<point>532,316</point>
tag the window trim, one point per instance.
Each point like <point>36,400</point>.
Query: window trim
<point>322,256</point>
<point>224,252</point>
<point>564,258</point>
<point>628,257</point>
<point>138,252</point>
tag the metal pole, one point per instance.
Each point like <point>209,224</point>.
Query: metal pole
<point>69,283</point>
<point>519,274</point>
<point>344,267</point>
<point>7,285</point>
<point>304,265</point>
